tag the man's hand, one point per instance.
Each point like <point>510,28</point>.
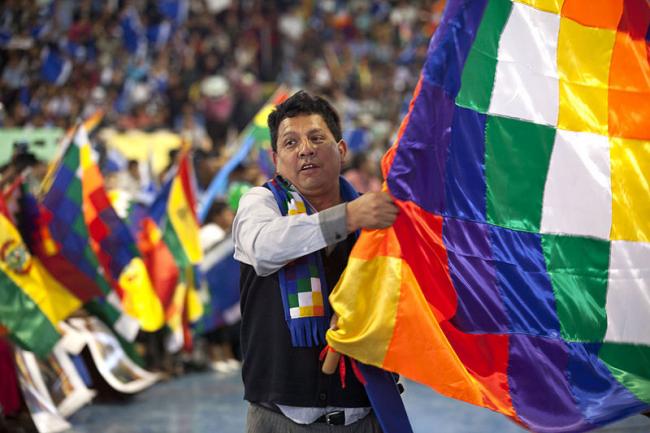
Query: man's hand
<point>373,210</point>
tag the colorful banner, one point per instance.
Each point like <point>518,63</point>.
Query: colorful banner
<point>32,302</point>
<point>88,247</point>
<point>516,274</point>
<point>174,214</point>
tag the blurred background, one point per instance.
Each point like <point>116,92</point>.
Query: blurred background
<point>177,91</point>
<point>200,70</point>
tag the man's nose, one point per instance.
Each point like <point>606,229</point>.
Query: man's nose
<point>306,148</point>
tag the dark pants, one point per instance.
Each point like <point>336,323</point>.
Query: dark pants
<point>261,420</point>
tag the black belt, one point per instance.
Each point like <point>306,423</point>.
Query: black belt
<point>332,418</point>
<point>336,417</point>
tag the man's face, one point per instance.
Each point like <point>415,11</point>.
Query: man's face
<point>308,156</point>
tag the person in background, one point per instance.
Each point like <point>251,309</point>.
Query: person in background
<point>362,174</point>
<point>217,225</point>
<point>222,279</point>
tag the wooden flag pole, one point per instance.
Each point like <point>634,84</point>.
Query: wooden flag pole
<point>332,357</point>
<point>331,361</point>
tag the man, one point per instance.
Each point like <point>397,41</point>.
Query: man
<point>293,238</point>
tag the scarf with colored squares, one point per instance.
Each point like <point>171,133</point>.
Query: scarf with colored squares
<point>302,282</point>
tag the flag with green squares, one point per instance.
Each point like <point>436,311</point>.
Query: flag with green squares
<point>60,237</point>
<point>520,260</point>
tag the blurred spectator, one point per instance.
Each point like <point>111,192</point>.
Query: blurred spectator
<point>223,340</point>
<point>202,73</point>
<point>207,165</point>
<point>363,174</point>
<point>218,223</point>
<point>218,106</point>
<point>22,162</point>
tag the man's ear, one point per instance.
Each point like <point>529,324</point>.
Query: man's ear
<point>343,149</point>
<point>274,155</point>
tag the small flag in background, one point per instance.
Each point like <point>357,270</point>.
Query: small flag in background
<point>32,302</point>
<point>62,211</point>
<point>221,274</point>
<point>158,259</point>
<point>114,245</point>
<point>71,230</point>
<point>133,33</point>
<point>175,10</point>
<point>516,274</point>
<point>174,211</point>
<point>174,214</point>
<point>259,130</point>
<point>55,68</point>
<point>159,34</point>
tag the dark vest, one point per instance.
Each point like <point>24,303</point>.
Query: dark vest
<point>273,370</point>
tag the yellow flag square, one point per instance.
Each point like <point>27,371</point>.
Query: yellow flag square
<point>630,168</point>
<point>554,6</point>
<point>583,60</point>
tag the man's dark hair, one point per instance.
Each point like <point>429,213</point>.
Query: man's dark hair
<point>299,104</point>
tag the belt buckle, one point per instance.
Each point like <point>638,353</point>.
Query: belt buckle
<point>335,418</point>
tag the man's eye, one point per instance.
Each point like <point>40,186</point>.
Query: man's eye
<point>289,143</point>
<point>318,139</point>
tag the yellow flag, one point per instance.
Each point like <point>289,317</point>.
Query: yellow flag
<point>140,299</point>
<point>27,272</point>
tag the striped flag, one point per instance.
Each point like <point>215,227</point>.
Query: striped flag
<point>516,274</point>
<point>174,210</point>
<point>174,214</point>
<point>32,302</point>
<point>157,257</point>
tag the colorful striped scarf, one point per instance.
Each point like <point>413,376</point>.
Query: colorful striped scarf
<point>302,282</point>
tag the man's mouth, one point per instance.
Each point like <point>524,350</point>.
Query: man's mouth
<point>308,167</point>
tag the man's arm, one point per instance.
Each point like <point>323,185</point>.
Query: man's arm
<point>267,240</point>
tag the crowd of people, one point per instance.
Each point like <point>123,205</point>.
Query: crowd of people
<point>203,68</point>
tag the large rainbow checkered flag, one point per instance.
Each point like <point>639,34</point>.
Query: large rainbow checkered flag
<point>517,274</point>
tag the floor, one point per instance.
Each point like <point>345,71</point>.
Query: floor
<point>212,402</point>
